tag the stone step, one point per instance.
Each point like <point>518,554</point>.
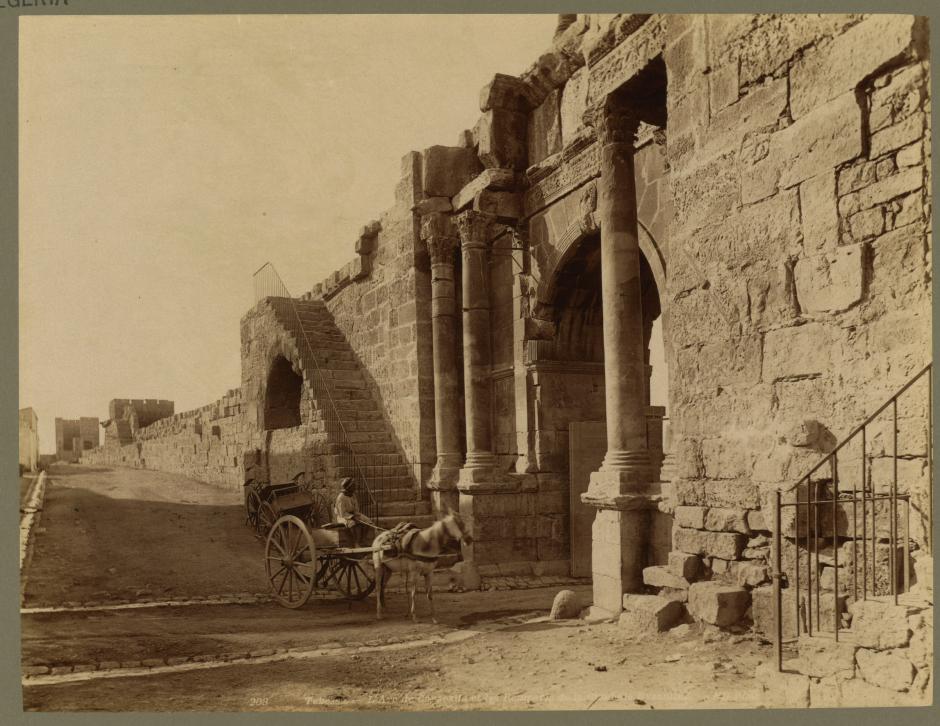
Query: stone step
<point>372,437</point>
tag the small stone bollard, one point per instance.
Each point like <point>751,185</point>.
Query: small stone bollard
<point>566,606</point>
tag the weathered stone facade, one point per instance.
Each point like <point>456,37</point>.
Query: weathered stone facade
<point>757,184</point>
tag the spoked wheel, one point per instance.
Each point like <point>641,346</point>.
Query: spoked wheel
<point>319,512</point>
<point>351,577</point>
<point>266,518</point>
<point>290,562</point>
<point>252,504</point>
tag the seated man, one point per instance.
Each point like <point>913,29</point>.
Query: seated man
<point>347,511</point>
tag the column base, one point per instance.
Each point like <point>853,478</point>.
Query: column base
<point>482,479</point>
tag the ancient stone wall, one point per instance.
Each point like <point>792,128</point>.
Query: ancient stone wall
<point>206,444</point>
<point>799,265</point>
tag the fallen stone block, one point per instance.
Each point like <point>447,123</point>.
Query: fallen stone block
<point>718,604</point>
<point>649,613</point>
<point>887,670</point>
<point>684,565</point>
<point>658,576</point>
<point>567,605</point>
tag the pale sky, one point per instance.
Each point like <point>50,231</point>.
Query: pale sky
<point>164,159</point>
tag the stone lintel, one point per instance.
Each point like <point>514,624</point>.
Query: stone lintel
<point>495,179</point>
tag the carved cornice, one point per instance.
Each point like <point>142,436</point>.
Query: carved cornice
<point>475,228</point>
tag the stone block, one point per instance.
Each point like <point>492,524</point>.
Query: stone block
<point>433,205</point>
<point>723,86</point>
<point>544,128</point>
<point>879,625</point>
<point>673,594</point>
<point>782,690</point>
<point>756,520</point>
<point>566,605</point>
<point>692,517</point>
<point>884,190</point>
<point>507,92</point>
<point>724,519</point>
<point>573,105</point>
<point>732,493</point>
<point>827,71</point>
<point>505,206</point>
<point>887,670</point>
<point>718,604</point>
<point>684,565</point>
<point>749,574</point>
<point>899,135</point>
<point>815,144</point>
<point>725,545</point>
<point>501,139</point>
<point>903,95</point>
<point>867,224</point>
<point>445,170</point>
<point>646,614</point>
<point>762,612</point>
<point>820,214</point>
<point>823,657</point>
<point>659,576</point>
<point>497,179</point>
<point>830,282</point>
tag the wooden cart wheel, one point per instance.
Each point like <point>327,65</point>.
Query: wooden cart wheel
<point>290,562</point>
<point>352,578</point>
<point>266,518</point>
<point>252,504</point>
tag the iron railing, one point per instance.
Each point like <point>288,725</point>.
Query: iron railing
<point>828,498</point>
<point>375,474</point>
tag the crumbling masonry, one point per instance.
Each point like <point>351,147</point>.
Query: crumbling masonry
<point>758,183</point>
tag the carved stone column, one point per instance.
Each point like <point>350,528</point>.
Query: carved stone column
<point>475,230</point>
<point>440,236</point>
<point>621,489</point>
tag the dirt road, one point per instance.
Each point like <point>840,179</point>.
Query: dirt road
<point>112,536</point>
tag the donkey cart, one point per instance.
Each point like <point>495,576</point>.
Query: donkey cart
<point>298,559</point>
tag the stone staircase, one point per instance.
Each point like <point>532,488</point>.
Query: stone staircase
<point>368,434</point>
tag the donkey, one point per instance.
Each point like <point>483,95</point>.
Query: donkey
<point>415,553</point>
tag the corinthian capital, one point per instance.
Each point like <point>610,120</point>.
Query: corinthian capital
<point>615,120</point>
<point>475,228</point>
<point>440,235</point>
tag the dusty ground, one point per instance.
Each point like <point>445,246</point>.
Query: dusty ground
<point>109,534</point>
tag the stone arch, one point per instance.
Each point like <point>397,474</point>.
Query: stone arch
<point>283,393</point>
<point>572,238</point>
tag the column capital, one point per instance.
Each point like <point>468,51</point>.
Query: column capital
<point>615,120</point>
<point>475,228</point>
<point>440,236</point>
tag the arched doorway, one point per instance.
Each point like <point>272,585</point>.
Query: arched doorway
<point>570,375</point>
<point>282,396</point>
